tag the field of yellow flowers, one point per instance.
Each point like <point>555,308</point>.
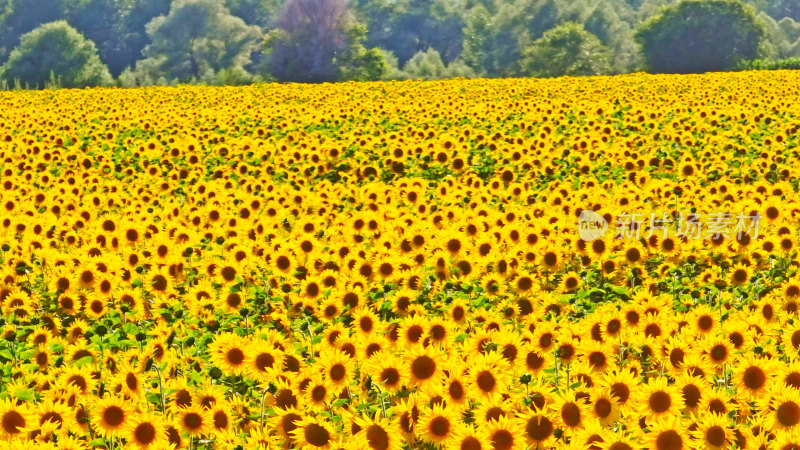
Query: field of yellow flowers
<point>595,264</point>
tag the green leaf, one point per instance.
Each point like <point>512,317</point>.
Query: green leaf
<point>85,361</point>
<point>24,395</point>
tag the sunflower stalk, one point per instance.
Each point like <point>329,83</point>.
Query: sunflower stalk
<point>380,394</point>
<point>310,339</point>
<point>160,389</point>
<point>263,401</point>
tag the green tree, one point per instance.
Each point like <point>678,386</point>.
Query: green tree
<point>320,41</point>
<point>428,65</point>
<point>605,22</point>
<point>95,19</point>
<point>406,27</point>
<point>263,13</point>
<point>55,50</point>
<point>778,9</point>
<point>356,62</point>
<point>18,17</point>
<point>566,50</point>
<point>700,36</point>
<point>494,38</point>
<point>196,39</point>
<point>130,32</point>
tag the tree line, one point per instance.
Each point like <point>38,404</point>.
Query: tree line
<point>79,43</point>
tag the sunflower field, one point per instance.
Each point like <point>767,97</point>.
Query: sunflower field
<point>403,265</point>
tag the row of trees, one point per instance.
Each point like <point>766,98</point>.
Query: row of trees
<point>75,43</point>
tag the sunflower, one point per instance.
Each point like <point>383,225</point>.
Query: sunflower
<point>379,433</point>
<point>784,412</point>
<point>262,361</point>
<point>570,282</point>
<point>77,377</point>
<point>596,355</point>
<point>505,433</point>
<point>590,437</point>
<point>753,376</point>
<point>544,338</point>
<point>467,437</point>
<point>538,428</point>
<point>111,415</point>
<point>193,420</point>
<point>457,313</point>
<point>145,430</point>
<point>717,401</point>
<point>570,412</point>
<point>550,259</point>
<point>712,433</point>
<point>311,287</point>
<point>773,210</point>
<point>231,301</point>
<point>668,433</point>
<point>159,280</point>
<point>313,434</point>
<point>603,406</point>
<point>337,368</point>
<point>56,412</point>
<point>481,339</point>
<point>455,391</point>
<point>768,307</point>
<point>96,306</point>
<point>523,284</point>
<point>692,389</point>
<point>14,419</point>
<point>618,441</point>
<point>130,380</point>
<point>223,417</point>
<point>334,332</point>
<point>365,320</point>
<point>743,437</point>
<point>424,366</point>
<point>488,376</point>
<point>623,386</point>
<point>43,357</point>
<point>316,393</point>
<point>330,309</point>
<point>406,415</point>
<point>227,352</point>
<point>388,371</point>
<point>737,333</point>
<point>492,284</point>
<point>437,424</point>
<point>695,364</point>
<point>69,304</point>
<point>658,399</point>
<point>703,320</point>
<point>439,331</point>
<point>286,421</point>
<point>632,315</point>
<point>718,351</point>
<point>411,331</point>
<point>532,360</point>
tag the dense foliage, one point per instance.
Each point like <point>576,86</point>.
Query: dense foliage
<point>145,42</point>
<point>567,50</point>
<point>781,64</point>
<point>399,265</point>
<point>55,53</point>
<point>701,36</point>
